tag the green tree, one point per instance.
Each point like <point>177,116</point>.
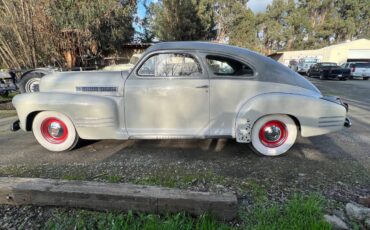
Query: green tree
<point>88,28</point>
<point>176,20</point>
<point>63,32</point>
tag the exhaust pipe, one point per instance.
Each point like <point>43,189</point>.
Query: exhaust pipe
<point>347,123</point>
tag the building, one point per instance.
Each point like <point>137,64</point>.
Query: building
<point>358,50</point>
<point>123,56</point>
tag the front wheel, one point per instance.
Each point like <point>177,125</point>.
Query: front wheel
<point>273,135</point>
<point>366,78</point>
<point>54,131</point>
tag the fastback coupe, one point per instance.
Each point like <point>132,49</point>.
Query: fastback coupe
<point>182,90</point>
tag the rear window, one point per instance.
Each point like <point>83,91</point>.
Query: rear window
<point>224,66</point>
<point>362,65</point>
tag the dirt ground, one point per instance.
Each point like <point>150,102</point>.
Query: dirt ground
<point>336,165</point>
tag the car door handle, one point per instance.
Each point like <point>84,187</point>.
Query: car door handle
<point>202,87</point>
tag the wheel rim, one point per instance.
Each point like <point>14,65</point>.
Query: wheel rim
<point>273,134</point>
<point>32,85</point>
<point>54,130</point>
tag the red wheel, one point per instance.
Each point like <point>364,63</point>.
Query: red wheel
<point>273,134</point>
<point>54,131</point>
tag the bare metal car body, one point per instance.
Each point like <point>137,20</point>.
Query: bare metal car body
<point>136,105</point>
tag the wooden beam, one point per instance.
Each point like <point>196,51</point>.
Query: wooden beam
<point>114,196</point>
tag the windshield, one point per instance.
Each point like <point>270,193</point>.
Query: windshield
<point>363,65</point>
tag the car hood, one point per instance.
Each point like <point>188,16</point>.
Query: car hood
<point>109,83</point>
<point>120,67</point>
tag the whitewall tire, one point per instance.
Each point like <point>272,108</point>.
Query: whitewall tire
<point>273,135</point>
<point>54,131</point>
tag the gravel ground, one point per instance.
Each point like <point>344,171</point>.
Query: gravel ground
<point>336,165</point>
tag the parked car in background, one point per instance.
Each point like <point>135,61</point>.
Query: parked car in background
<point>124,67</point>
<point>182,90</point>
<point>293,65</point>
<point>328,70</point>
<point>359,70</point>
<point>7,82</point>
<point>304,64</point>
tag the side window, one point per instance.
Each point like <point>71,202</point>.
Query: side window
<point>170,65</point>
<point>224,66</point>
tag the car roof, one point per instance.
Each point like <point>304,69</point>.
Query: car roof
<point>270,70</point>
<point>198,45</point>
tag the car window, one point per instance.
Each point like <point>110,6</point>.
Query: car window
<point>170,65</point>
<point>226,66</point>
<point>363,65</point>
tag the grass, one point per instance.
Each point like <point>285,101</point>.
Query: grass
<point>97,220</point>
<point>300,212</point>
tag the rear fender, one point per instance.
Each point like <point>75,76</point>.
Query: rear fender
<point>310,113</point>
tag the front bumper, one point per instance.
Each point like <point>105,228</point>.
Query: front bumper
<point>347,123</point>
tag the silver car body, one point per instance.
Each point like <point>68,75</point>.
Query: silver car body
<point>124,105</point>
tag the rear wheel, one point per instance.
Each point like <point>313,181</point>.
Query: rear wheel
<point>54,131</point>
<point>322,76</point>
<point>273,135</point>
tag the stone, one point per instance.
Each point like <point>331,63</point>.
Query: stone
<point>357,212</point>
<point>335,222</point>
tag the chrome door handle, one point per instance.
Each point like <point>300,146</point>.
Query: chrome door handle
<point>202,87</point>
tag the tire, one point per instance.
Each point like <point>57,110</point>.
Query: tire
<point>261,145</point>
<point>65,140</point>
<point>366,78</point>
<point>342,79</point>
<point>309,74</point>
<point>4,93</point>
<point>30,82</point>
<point>350,77</point>
<point>322,76</point>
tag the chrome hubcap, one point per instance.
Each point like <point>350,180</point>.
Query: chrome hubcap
<point>55,130</point>
<point>272,133</point>
<point>32,85</point>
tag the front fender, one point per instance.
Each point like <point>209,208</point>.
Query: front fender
<point>95,117</point>
<point>314,115</point>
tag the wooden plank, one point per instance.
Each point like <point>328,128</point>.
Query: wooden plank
<point>109,196</point>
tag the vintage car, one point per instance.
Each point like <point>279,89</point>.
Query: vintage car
<point>182,90</point>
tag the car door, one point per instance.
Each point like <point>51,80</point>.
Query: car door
<point>315,70</point>
<point>167,95</point>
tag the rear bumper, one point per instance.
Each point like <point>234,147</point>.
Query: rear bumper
<point>338,75</point>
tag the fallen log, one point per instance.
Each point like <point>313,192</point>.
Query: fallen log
<point>114,196</point>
